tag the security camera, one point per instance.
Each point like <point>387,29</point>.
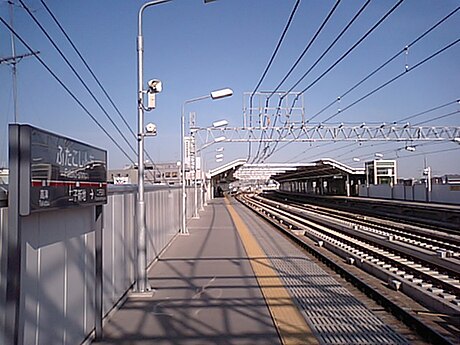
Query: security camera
<point>155,85</point>
<point>151,128</point>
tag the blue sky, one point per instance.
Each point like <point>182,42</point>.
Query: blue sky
<point>195,48</point>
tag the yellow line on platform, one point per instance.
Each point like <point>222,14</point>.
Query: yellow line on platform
<point>291,326</point>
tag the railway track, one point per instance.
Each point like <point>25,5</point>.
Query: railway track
<point>421,263</point>
<point>429,216</point>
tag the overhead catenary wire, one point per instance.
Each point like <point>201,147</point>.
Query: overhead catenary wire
<point>310,43</point>
<point>278,45</point>
<point>347,145</point>
<point>450,45</point>
<point>354,46</point>
<point>428,111</point>
<point>388,151</point>
<point>437,118</point>
<point>430,152</point>
<point>313,39</point>
<point>387,62</point>
<point>71,94</point>
<point>288,24</point>
<point>407,70</point>
<point>398,121</point>
<point>305,151</point>
<point>361,10</point>
<point>357,14</point>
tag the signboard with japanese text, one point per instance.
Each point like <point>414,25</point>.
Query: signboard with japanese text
<point>62,172</point>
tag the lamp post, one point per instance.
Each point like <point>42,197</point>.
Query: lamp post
<point>213,95</point>
<point>155,86</point>
<point>141,279</point>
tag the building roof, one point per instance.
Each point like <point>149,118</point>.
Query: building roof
<point>264,171</point>
<point>231,166</point>
<point>322,168</point>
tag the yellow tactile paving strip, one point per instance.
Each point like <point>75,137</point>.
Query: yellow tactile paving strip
<point>288,320</point>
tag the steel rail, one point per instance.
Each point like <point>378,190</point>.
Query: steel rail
<point>407,316</point>
<point>436,243</point>
<point>393,265</point>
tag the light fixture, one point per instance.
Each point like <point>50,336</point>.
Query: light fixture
<point>410,148</point>
<point>220,123</point>
<point>220,155</point>
<point>221,93</point>
<point>220,149</point>
<point>219,139</point>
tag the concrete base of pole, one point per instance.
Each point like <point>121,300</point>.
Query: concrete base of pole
<point>145,294</point>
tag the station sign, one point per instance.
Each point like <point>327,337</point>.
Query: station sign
<point>62,172</point>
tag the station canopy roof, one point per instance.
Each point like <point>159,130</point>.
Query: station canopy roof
<point>264,171</point>
<point>226,168</point>
<point>239,169</point>
<point>322,168</point>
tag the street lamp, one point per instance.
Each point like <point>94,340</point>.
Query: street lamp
<point>219,139</point>
<point>154,87</point>
<point>213,95</point>
<point>220,123</point>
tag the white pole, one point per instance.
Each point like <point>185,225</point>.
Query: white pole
<point>142,284</point>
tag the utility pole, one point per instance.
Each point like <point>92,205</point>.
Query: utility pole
<point>13,60</point>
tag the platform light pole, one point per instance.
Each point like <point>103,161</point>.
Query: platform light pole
<point>141,279</point>
<point>142,284</point>
<point>214,95</point>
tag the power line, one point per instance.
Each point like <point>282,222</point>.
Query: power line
<point>331,45</point>
<point>77,75</point>
<point>97,80</point>
<point>291,16</point>
<point>353,46</point>
<point>343,57</point>
<point>428,111</point>
<point>437,118</point>
<point>82,81</point>
<point>307,47</point>
<point>405,49</point>
<point>66,89</point>
<point>361,10</point>
<point>87,66</point>
<point>396,78</point>
<point>318,31</point>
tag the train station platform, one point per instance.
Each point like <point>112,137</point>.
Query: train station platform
<point>234,280</point>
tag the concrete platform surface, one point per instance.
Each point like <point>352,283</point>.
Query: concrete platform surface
<point>205,293</point>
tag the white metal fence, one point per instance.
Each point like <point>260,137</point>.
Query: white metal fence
<point>441,193</point>
<point>58,263</point>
